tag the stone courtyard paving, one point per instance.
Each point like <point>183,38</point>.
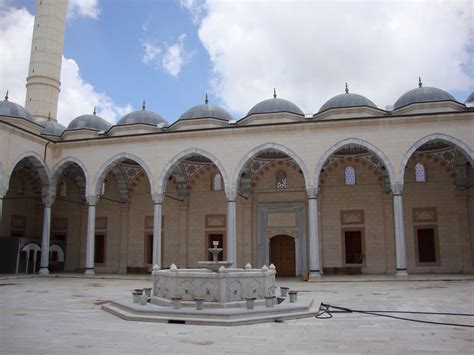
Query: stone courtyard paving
<point>62,315</point>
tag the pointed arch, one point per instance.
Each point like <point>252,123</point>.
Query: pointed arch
<point>3,188</point>
<point>107,166</point>
<point>468,153</point>
<point>261,148</point>
<point>37,161</point>
<point>166,171</point>
<point>355,141</point>
<point>63,164</point>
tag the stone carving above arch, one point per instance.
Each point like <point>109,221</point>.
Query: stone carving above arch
<point>63,164</point>
<point>171,164</point>
<point>354,141</point>
<point>37,161</point>
<point>107,167</point>
<point>464,148</point>
<point>261,148</point>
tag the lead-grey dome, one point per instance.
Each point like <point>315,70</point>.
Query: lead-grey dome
<point>275,105</point>
<point>206,110</point>
<point>347,100</point>
<point>142,117</point>
<point>89,121</point>
<point>423,94</point>
<point>51,128</point>
<point>8,108</point>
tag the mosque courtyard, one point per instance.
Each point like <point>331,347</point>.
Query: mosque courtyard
<point>62,315</point>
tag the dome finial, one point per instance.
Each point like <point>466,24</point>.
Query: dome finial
<point>420,84</point>
<point>347,89</point>
<point>143,106</point>
<point>6,96</point>
<point>274,93</point>
<point>206,100</point>
<point>95,111</point>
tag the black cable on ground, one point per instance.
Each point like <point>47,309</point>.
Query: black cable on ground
<point>326,313</point>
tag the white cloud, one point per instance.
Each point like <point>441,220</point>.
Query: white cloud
<point>309,49</point>
<point>195,7</point>
<point>87,8</point>
<point>77,96</point>
<point>151,52</point>
<point>175,56</point>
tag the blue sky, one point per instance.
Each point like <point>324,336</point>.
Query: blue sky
<point>237,51</point>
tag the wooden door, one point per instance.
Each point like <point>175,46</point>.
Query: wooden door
<point>282,255</point>
<point>353,247</point>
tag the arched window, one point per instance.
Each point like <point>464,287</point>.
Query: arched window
<point>103,187</point>
<point>62,189</point>
<point>420,172</point>
<point>281,180</point>
<point>350,176</point>
<point>217,182</point>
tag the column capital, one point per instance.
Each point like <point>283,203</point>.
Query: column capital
<point>157,198</point>
<point>397,188</point>
<point>92,199</point>
<point>312,192</point>
<point>231,195</point>
<point>48,195</point>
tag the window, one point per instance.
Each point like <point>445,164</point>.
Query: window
<point>420,173</point>
<point>281,180</point>
<point>217,182</point>
<point>63,189</point>
<point>350,175</point>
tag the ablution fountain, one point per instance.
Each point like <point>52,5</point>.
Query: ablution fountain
<point>216,294</point>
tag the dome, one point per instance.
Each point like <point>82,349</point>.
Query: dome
<point>142,116</point>
<point>423,94</point>
<point>89,121</point>
<point>275,105</point>
<point>51,128</point>
<point>8,108</point>
<point>347,100</point>
<point>206,110</point>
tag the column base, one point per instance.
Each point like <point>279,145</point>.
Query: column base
<point>314,275</point>
<point>43,271</point>
<point>90,272</point>
<point>401,272</point>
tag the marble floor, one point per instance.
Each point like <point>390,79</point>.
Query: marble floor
<point>62,315</point>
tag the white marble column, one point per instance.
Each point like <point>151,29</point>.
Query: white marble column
<point>231,228</point>
<point>400,248</point>
<point>314,270</point>
<point>157,202</point>
<point>44,263</point>
<point>91,202</point>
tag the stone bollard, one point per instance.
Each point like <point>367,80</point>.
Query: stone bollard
<point>269,301</point>
<point>250,302</point>
<point>176,302</point>
<point>293,295</point>
<point>199,303</point>
<point>284,291</point>
<point>147,291</point>
<point>143,299</point>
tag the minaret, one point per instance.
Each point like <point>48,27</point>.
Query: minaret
<point>42,83</point>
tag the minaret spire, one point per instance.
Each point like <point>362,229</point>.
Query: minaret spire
<point>42,83</point>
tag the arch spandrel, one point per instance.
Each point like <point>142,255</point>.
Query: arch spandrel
<point>463,147</point>
<point>95,183</point>
<point>360,142</point>
<point>261,148</point>
<point>168,167</point>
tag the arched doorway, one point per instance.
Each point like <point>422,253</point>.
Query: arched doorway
<point>282,255</point>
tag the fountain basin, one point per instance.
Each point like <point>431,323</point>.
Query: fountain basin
<point>231,285</point>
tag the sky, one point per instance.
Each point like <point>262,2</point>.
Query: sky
<point>171,53</point>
